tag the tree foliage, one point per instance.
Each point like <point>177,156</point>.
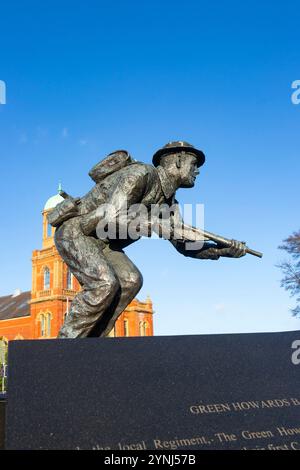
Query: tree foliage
<point>291,268</point>
<point>3,362</point>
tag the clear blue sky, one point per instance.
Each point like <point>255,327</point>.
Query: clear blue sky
<point>86,78</point>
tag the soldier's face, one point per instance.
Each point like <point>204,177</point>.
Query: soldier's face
<point>188,170</point>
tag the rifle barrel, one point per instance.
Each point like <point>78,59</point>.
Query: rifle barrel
<point>226,242</point>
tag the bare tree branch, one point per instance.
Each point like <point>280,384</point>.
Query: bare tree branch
<point>291,268</point>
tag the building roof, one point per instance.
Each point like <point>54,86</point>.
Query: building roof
<point>53,201</point>
<point>15,306</point>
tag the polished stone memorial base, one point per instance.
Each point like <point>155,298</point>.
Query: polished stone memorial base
<point>238,391</point>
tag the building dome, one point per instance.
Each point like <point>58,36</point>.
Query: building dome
<point>53,201</point>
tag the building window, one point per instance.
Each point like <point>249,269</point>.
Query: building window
<point>143,328</point>
<point>43,325</point>
<point>69,279</point>
<point>126,328</point>
<point>49,230</point>
<point>48,324</point>
<point>46,278</point>
<point>45,319</point>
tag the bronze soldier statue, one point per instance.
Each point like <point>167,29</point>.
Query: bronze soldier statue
<point>109,279</point>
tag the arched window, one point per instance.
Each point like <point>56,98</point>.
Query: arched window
<point>45,319</point>
<point>43,325</point>
<point>48,324</point>
<point>69,279</point>
<point>126,328</point>
<point>49,230</point>
<point>143,328</point>
<point>46,278</point>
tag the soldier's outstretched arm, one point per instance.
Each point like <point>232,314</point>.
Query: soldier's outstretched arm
<point>209,250</point>
<point>194,245</point>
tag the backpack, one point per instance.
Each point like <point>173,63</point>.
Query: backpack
<point>113,162</point>
<point>68,208</point>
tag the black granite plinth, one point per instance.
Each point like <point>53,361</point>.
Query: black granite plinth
<point>185,392</point>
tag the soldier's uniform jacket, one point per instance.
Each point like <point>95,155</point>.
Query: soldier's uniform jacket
<point>137,183</point>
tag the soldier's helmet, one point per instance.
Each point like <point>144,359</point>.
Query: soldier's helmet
<point>175,147</point>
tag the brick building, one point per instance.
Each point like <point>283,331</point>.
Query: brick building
<point>39,314</point>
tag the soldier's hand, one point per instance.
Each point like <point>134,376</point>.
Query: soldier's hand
<point>236,250</point>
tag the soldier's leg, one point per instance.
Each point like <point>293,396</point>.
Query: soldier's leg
<point>130,280</point>
<point>99,283</point>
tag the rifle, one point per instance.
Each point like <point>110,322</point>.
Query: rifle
<point>222,241</point>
